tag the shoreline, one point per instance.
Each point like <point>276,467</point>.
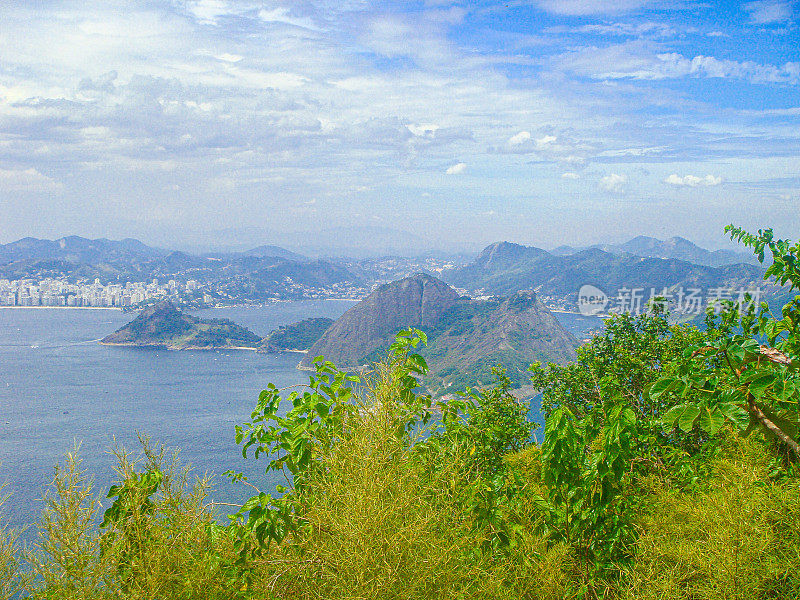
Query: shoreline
<point>226,306</point>
<point>65,307</point>
<point>193,348</point>
<point>155,346</point>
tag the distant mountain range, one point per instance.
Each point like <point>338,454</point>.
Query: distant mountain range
<point>675,247</point>
<point>268,271</point>
<point>82,251</point>
<point>243,276</point>
<point>504,268</point>
<point>78,250</point>
<point>466,337</point>
<point>276,252</point>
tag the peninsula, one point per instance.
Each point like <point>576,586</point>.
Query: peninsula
<point>296,337</point>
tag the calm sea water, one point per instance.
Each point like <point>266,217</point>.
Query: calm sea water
<point>59,388</point>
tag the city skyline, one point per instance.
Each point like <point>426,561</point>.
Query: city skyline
<point>200,123</point>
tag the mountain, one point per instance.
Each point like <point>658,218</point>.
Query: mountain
<point>78,258</point>
<point>675,247</point>
<point>474,336</point>
<point>416,301</point>
<point>75,249</point>
<point>263,273</point>
<point>466,338</point>
<point>297,336</point>
<point>276,252</point>
<point>500,257</point>
<point>164,326</point>
<point>562,276</point>
<point>682,249</point>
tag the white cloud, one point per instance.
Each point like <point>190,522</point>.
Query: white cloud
<point>519,138</point>
<point>589,7</point>
<point>570,175</point>
<point>769,11</point>
<point>642,60</point>
<point>545,141</point>
<point>456,169</point>
<point>614,183</point>
<point>423,129</point>
<point>281,15</point>
<point>692,180</point>
<point>26,180</point>
<point>638,30</point>
<point>186,93</point>
<point>231,58</point>
<point>208,11</point>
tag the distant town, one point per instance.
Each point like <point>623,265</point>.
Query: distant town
<point>57,292</point>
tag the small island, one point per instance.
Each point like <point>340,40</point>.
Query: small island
<point>297,337</point>
<point>165,326</point>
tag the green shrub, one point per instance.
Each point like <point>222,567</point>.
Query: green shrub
<point>739,538</point>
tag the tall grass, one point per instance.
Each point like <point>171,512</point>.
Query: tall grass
<point>383,520</point>
<point>737,538</point>
<point>12,580</point>
<point>167,553</point>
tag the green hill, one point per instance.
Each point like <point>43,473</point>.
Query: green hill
<point>297,336</point>
<point>466,338</point>
<point>164,326</point>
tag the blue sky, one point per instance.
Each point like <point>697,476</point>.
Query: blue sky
<point>538,121</point>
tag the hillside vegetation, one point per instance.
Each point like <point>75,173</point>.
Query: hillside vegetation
<point>504,268</point>
<point>466,337</point>
<point>668,469</point>
<point>164,326</point>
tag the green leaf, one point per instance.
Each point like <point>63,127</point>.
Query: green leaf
<point>687,418</point>
<point>711,420</point>
<point>758,387</point>
<point>662,386</point>
<point>671,416</point>
<point>739,416</point>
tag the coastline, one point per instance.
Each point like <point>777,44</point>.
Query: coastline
<point>224,306</point>
<point>157,346</point>
<point>65,307</point>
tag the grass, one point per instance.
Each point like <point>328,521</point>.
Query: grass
<point>383,521</point>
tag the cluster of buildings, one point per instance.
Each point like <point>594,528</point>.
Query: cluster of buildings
<point>56,292</point>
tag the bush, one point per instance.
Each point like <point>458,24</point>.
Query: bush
<point>736,539</point>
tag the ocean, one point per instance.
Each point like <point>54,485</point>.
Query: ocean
<point>59,388</point>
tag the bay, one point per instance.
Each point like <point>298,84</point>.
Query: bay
<point>59,388</point>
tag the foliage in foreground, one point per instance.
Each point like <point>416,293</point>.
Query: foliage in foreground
<point>657,478</point>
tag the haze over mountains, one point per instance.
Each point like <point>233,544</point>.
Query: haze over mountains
<point>262,273</point>
<point>505,321</point>
<point>675,247</point>
<point>273,272</point>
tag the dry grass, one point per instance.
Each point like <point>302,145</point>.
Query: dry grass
<point>168,553</point>
<point>12,580</point>
<point>737,539</point>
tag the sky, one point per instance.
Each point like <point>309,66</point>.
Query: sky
<point>544,122</point>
